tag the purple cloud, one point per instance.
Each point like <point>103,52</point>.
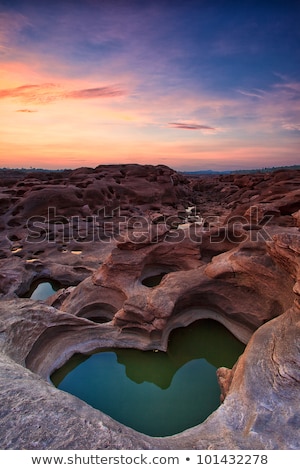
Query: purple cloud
<point>100,92</point>
<point>253,94</point>
<point>189,126</point>
<point>291,126</point>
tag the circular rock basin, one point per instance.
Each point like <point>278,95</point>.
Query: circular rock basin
<point>156,393</point>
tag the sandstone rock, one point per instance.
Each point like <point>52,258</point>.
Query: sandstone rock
<point>225,376</point>
<point>260,411</point>
<point>116,292</point>
<point>296,216</point>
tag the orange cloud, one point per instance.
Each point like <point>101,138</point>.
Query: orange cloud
<point>49,92</point>
<point>26,111</point>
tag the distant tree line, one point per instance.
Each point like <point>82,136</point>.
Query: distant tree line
<point>234,172</point>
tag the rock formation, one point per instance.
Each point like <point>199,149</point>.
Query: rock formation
<point>139,251</point>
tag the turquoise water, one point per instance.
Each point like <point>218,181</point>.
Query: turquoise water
<point>41,290</point>
<point>156,393</point>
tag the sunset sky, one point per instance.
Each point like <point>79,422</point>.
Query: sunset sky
<point>189,84</point>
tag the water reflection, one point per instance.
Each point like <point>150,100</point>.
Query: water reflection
<point>154,392</point>
<point>202,339</point>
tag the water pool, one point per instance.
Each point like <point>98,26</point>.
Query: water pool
<point>156,393</point>
<point>42,289</point>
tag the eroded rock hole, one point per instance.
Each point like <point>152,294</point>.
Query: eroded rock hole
<point>153,281</point>
<point>14,223</point>
<point>98,312</point>
<point>41,289</point>
<point>152,275</point>
<point>156,393</point>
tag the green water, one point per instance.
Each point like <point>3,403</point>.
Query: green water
<point>156,393</point>
<point>41,290</point>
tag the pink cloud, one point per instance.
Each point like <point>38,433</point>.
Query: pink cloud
<point>100,92</point>
<point>290,126</point>
<point>49,92</point>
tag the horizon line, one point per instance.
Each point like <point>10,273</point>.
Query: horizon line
<point>194,171</point>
